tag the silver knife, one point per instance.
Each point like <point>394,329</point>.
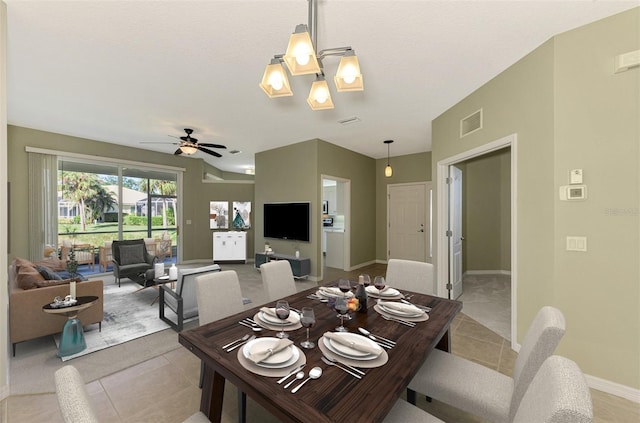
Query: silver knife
<point>242,343</point>
<point>293,372</point>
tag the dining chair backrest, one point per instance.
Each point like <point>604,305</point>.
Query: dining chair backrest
<point>73,397</point>
<point>558,394</point>
<point>540,342</point>
<point>218,295</point>
<point>277,279</point>
<point>411,275</point>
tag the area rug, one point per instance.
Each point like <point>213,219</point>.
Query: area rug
<point>128,314</point>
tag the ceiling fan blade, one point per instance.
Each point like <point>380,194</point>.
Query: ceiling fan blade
<point>159,142</point>
<point>206,150</point>
<point>212,145</point>
<point>177,152</point>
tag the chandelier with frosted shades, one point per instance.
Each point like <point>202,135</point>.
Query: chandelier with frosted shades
<point>301,59</point>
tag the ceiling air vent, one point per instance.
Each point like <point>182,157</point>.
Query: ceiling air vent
<point>349,120</point>
<point>235,151</point>
<point>471,123</point>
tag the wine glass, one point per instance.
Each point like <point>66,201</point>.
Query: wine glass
<point>282,311</point>
<point>379,283</point>
<point>341,307</point>
<point>307,319</point>
<point>344,285</point>
<point>366,279</point>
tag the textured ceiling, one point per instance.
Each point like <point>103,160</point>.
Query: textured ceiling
<point>128,72</point>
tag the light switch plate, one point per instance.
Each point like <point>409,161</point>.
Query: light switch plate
<point>577,243</point>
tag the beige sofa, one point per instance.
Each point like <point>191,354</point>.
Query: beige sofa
<point>26,318</point>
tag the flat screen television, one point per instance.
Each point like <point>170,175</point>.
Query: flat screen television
<point>287,221</point>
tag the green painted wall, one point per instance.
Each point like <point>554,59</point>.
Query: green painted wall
<point>569,110</point>
<point>486,212</point>
<point>197,236</point>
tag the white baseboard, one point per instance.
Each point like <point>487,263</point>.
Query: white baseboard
<point>487,272</point>
<point>613,388</point>
<point>358,266</point>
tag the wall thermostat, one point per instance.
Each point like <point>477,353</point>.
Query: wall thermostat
<point>573,192</point>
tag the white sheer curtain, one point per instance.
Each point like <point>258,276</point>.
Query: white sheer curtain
<point>43,203</point>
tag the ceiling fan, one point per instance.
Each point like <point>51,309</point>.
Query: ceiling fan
<point>189,145</point>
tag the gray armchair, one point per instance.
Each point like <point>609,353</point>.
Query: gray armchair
<point>182,301</point>
<point>131,260</point>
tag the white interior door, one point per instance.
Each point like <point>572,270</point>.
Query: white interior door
<point>455,228</point>
<point>407,227</point>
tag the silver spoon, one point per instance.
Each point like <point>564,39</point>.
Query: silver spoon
<point>299,376</point>
<point>314,373</point>
<point>253,328</point>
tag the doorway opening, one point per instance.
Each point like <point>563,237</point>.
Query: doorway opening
<point>336,215</point>
<point>445,269</point>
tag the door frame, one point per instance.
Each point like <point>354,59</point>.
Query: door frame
<point>347,220</point>
<point>442,219</point>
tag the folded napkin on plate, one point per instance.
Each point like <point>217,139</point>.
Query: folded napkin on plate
<point>400,307</point>
<point>263,354</point>
<point>355,345</point>
<point>334,292</point>
<point>270,311</point>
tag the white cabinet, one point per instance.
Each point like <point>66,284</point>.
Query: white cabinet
<point>230,246</point>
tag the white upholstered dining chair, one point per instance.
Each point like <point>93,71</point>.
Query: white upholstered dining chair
<point>411,275</point>
<point>485,392</point>
<point>557,394</point>
<point>277,279</point>
<point>219,296</point>
<point>75,404</point>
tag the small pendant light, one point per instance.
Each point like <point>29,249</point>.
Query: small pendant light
<point>388,171</point>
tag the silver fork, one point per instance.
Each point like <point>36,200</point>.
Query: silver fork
<point>404,322</point>
<point>333,360</point>
<point>331,363</point>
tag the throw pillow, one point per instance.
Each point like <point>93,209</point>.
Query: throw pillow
<point>131,254</point>
<point>28,277</point>
<point>20,262</point>
<point>47,273</point>
<point>53,263</point>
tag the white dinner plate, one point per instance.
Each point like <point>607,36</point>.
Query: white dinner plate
<point>273,320</point>
<point>282,358</point>
<point>388,292</point>
<point>409,313</point>
<point>349,352</point>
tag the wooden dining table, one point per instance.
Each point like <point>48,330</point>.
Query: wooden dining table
<point>336,396</point>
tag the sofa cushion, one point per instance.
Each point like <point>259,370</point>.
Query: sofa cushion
<point>54,282</point>
<point>131,254</point>
<point>28,277</point>
<point>47,273</point>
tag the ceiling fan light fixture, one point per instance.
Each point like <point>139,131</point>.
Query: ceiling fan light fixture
<point>274,81</point>
<point>348,76</point>
<point>319,95</point>
<point>188,149</point>
<point>300,56</point>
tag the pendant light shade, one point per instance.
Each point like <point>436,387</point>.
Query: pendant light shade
<point>348,76</point>
<point>301,56</point>
<point>319,95</point>
<point>388,171</point>
<point>274,81</point>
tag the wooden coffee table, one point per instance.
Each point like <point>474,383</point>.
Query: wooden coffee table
<point>72,340</point>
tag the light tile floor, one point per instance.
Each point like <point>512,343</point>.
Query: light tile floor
<point>165,388</point>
